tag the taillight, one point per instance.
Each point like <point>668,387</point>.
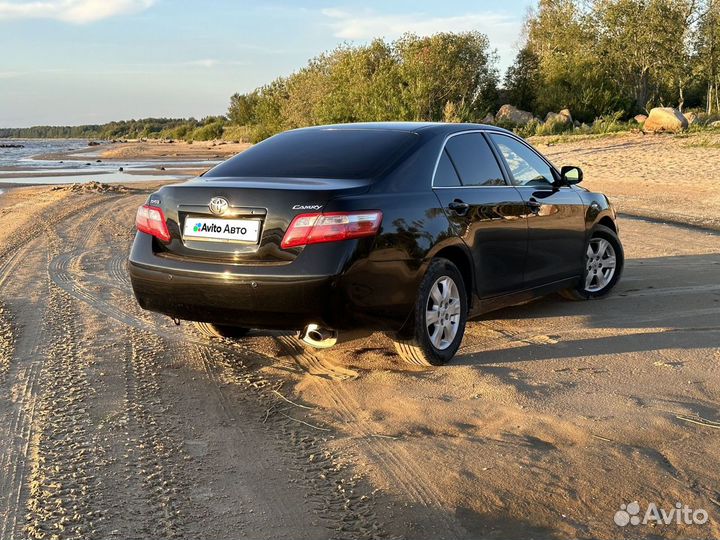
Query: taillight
<point>308,229</point>
<point>151,220</point>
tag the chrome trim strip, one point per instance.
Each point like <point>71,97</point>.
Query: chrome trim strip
<point>232,211</point>
<point>488,132</point>
<point>470,187</point>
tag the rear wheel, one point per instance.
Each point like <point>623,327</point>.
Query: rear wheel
<point>440,314</point>
<point>221,330</point>
<point>604,259</point>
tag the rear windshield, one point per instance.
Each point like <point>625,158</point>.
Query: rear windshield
<point>320,153</point>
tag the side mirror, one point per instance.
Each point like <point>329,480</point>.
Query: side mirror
<point>570,175</point>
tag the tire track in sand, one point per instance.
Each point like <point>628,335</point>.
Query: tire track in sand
<point>339,501</point>
<point>7,341</point>
<point>22,373</point>
<point>344,511</point>
<point>10,251</point>
<point>64,497</point>
<point>22,377</point>
<point>16,431</point>
<point>151,484</point>
<point>20,386</point>
<point>62,454</point>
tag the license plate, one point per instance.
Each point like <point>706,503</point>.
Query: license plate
<point>219,230</point>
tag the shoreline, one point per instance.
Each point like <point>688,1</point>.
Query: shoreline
<point>151,150</point>
<point>118,162</point>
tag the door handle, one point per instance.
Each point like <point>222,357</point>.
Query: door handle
<point>459,207</point>
<point>534,206</point>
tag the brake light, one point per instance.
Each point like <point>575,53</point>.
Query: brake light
<point>151,220</point>
<point>308,229</point>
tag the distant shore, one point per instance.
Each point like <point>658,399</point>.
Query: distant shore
<point>153,150</point>
<point>117,162</point>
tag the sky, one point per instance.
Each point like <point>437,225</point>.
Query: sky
<point>70,62</point>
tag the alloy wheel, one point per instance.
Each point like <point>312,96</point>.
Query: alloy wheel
<point>442,313</point>
<point>600,266</point>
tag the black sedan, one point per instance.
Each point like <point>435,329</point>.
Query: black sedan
<point>407,228</point>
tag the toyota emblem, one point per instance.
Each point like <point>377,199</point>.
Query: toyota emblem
<point>218,205</point>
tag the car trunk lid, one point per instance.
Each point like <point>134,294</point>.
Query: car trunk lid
<point>263,207</point>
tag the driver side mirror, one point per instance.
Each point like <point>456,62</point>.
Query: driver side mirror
<point>570,175</point>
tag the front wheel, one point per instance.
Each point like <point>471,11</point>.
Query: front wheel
<point>440,314</point>
<point>604,260</point>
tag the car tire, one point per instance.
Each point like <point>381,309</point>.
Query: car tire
<point>221,330</point>
<point>443,291</point>
<point>602,246</point>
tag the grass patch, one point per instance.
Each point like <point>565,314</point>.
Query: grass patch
<point>575,137</point>
<point>702,141</point>
<point>238,133</point>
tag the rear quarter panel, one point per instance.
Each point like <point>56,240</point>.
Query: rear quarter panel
<point>414,228</point>
<point>383,277</point>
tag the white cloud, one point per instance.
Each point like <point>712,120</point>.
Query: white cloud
<point>502,29</point>
<point>73,11</point>
<point>203,62</point>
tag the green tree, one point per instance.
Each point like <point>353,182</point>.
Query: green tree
<point>447,67</point>
<point>363,85</point>
<point>563,36</point>
<point>305,91</point>
<point>242,108</point>
<point>706,54</point>
<point>268,111</point>
<point>212,129</point>
<point>644,47</point>
<point>522,80</point>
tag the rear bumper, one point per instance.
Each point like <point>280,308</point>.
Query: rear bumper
<point>350,294</point>
<point>240,300</point>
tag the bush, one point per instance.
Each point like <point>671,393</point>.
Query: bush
<point>237,133</point>
<point>209,132</point>
<point>610,123</point>
<point>538,128</point>
<point>448,76</point>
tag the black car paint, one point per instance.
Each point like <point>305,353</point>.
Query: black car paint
<point>507,249</point>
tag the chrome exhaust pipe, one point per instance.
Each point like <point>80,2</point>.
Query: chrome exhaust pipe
<point>319,337</point>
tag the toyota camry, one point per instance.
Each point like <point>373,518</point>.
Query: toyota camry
<point>406,228</point>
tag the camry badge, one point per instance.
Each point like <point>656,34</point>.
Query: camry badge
<point>218,205</point>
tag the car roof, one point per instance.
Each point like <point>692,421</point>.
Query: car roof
<point>411,127</point>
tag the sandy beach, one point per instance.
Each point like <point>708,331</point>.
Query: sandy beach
<point>552,415</point>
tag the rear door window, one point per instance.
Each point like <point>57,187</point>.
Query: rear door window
<point>446,175</point>
<point>475,162</point>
